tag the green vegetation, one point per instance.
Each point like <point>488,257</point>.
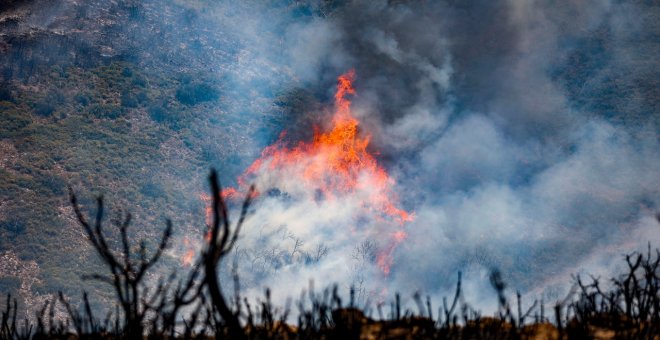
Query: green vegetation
<point>112,127</point>
<point>192,94</point>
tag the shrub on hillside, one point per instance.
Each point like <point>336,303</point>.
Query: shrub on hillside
<point>13,226</point>
<point>160,113</point>
<point>44,108</point>
<point>153,190</point>
<point>128,100</point>
<point>5,93</point>
<point>105,111</point>
<point>82,99</point>
<point>139,81</point>
<point>47,105</point>
<point>127,72</point>
<point>195,93</point>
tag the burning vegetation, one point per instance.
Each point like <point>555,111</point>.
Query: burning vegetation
<point>193,304</point>
<point>543,121</point>
<point>334,171</point>
<point>336,165</point>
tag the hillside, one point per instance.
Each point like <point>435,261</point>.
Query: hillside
<point>85,105</point>
<point>520,137</point>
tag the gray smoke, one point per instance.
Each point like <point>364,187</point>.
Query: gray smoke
<point>524,135</point>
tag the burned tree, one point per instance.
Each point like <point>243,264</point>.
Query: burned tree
<point>221,243</point>
<point>126,271</point>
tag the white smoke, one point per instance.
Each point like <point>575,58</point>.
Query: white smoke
<point>473,110</point>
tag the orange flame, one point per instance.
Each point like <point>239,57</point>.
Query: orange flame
<point>187,259</point>
<point>208,211</point>
<point>189,247</point>
<point>337,163</point>
<point>208,208</point>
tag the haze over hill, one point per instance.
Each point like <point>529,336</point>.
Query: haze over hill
<point>523,136</point>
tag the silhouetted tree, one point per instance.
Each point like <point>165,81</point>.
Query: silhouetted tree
<point>126,271</point>
<point>221,243</point>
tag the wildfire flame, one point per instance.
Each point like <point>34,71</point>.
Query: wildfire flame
<point>208,208</point>
<point>336,164</point>
<point>187,258</point>
<point>189,247</point>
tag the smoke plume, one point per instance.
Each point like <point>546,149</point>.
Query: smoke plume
<point>522,135</point>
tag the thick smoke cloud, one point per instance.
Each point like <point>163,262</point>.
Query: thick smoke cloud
<point>511,128</point>
<point>523,134</point>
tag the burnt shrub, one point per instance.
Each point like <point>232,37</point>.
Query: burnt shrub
<point>195,93</point>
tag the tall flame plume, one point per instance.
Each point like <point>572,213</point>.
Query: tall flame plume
<point>336,164</point>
